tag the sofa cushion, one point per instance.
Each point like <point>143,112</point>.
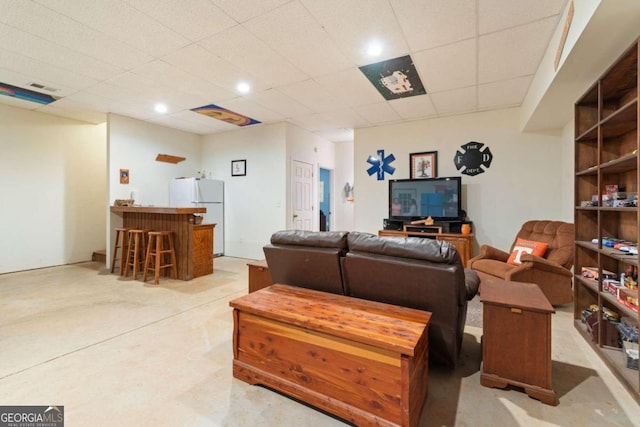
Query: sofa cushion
<point>431,250</point>
<point>307,259</point>
<point>325,239</point>
<point>528,247</point>
<point>471,282</point>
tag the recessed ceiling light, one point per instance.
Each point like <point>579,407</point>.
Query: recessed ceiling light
<point>160,108</point>
<point>374,49</point>
<point>243,87</point>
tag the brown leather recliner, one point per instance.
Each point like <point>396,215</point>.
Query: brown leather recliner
<point>552,272</point>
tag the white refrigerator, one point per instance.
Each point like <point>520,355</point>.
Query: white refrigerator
<point>206,193</point>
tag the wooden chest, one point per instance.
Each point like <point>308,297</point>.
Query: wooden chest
<point>363,361</point>
<point>516,338</point>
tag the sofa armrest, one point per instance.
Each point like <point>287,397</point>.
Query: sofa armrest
<point>532,261</point>
<point>489,252</point>
<point>471,283</point>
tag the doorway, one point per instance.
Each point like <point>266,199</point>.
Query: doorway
<point>324,199</point>
<point>302,204</point>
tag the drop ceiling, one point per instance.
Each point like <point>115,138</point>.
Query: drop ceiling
<point>301,58</point>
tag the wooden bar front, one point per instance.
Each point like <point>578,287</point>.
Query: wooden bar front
<point>364,361</point>
<point>193,243</point>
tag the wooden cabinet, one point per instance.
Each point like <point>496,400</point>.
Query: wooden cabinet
<point>462,242</point>
<point>606,144</point>
<point>516,338</point>
<point>202,249</point>
<point>259,276</point>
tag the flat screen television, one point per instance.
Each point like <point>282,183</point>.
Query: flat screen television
<point>438,198</point>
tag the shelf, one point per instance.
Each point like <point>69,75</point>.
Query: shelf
<point>620,256</point>
<point>622,121</point>
<point>610,252</point>
<point>623,309</point>
<point>625,163</point>
<point>606,152</point>
<point>591,133</point>
<point>587,283</point>
<point>614,358</point>
<point>593,170</point>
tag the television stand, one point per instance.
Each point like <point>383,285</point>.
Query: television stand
<point>462,242</point>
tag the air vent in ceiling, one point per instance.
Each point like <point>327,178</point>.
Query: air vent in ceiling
<point>43,87</point>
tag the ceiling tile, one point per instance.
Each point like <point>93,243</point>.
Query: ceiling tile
<point>19,103</point>
<point>251,109</point>
<point>194,19</point>
<point>414,107</point>
<point>495,15</point>
<point>68,108</point>
<point>515,52</point>
<point>45,51</point>
<point>311,94</point>
<point>28,70</point>
<point>122,22</point>
<point>43,22</point>
<point>347,118</point>
<point>337,135</point>
<point>243,10</point>
<point>503,93</point>
<point>434,23</point>
<point>279,102</point>
<point>354,24</point>
<point>455,101</point>
<point>380,112</point>
<point>253,56</point>
<point>295,34</point>
<point>199,62</point>
<point>349,88</point>
<point>447,67</point>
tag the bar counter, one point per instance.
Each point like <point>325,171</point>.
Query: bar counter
<point>193,243</point>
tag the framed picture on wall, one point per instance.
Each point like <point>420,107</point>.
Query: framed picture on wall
<point>423,165</point>
<point>124,176</point>
<point>238,167</point>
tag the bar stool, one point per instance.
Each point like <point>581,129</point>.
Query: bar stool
<point>120,243</point>
<point>135,251</point>
<point>160,247</point>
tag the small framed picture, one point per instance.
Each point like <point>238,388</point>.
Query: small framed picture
<point>423,165</point>
<point>124,176</point>
<point>238,167</point>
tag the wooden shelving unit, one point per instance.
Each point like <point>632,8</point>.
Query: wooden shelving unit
<point>606,152</point>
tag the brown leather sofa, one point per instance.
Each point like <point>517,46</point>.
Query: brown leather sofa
<point>412,272</point>
<point>551,272</point>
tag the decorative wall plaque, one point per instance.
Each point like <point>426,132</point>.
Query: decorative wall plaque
<point>381,164</point>
<point>473,158</point>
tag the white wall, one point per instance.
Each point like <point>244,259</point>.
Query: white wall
<point>523,182</point>
<point>53,189</point>
<point>255,204</point>
<point>134,145</point>
<point>342,209</point>
<point>306,147</point>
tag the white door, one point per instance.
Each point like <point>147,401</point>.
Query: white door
<point>302,203</point>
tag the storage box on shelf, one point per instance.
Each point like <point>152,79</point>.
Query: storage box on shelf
<point>606,186</point>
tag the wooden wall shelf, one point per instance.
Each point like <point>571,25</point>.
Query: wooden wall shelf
<point>169,158</point>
